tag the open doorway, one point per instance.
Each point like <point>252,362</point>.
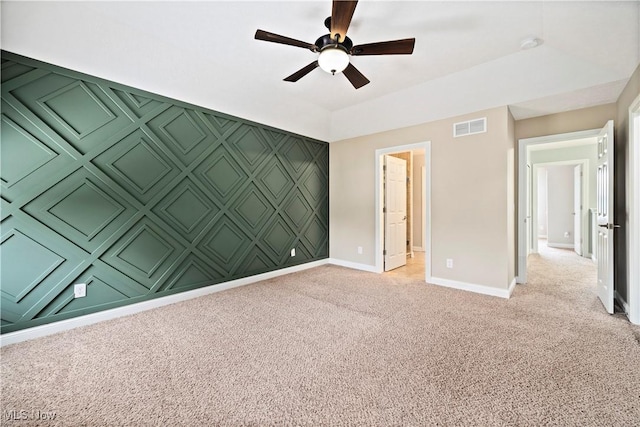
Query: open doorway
<point>416,240</point>
<point>536,154</point>
<point>562,201</point>
<point>604,188</point>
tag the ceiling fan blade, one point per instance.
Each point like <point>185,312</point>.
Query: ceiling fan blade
<point>394,47</point>
<point>275,38</point>
<point>341,14</point>
<point>356,78</point>
<point>302,72</point>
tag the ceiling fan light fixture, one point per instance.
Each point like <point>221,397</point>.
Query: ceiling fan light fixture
<point>333,60</point>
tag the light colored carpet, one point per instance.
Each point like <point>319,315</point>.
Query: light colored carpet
<point>333,346</point>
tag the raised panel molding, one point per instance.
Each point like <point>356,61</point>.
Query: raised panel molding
<point>140,196</point>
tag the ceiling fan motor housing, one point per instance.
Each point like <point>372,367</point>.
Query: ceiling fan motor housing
<point>326,41</point>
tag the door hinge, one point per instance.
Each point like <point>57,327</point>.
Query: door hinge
<point>384,252</point>
<point>384,210</point>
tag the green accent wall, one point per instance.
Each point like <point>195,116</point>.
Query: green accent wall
<point>141,196</point>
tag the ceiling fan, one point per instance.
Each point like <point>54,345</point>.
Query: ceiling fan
<point>335,47</point>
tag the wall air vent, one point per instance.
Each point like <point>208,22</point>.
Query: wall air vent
<point>470,127</point>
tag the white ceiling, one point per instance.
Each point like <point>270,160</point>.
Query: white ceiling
<point>467,56</point>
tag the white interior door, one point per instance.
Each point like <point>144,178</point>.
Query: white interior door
<point>395,215</point>
<point>606,226</point>
<point>577,209</point>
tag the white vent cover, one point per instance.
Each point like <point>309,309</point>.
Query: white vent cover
<point>470,127</point>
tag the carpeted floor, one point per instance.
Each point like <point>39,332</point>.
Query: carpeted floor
<point>332,346</point>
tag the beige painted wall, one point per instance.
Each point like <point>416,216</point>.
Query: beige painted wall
<point>471,211</point>
<point>569,121</point>
<point>621,199</point>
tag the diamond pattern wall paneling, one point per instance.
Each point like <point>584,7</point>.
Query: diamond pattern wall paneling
<point>141,196</point>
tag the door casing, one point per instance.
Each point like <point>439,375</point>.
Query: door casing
<point>579,204</point>
<point>633,199</point>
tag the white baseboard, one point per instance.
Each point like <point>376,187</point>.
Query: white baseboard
<point>89,319</point>
<point>354,265</point>
<point>472,287</point>
<point>622,302</point>
<point>561,245</point>
<point>512,286</point>
<point>418,249</point>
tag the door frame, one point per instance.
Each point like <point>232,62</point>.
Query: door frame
<point>633,199</point>
<point>534,198</point>
<point>579,205</point>
<point>379,217</point>
<point>523,144</point>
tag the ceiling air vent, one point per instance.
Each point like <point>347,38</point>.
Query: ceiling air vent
<point>469,128</point>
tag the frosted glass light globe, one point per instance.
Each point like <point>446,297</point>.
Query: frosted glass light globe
<point>333,60</point>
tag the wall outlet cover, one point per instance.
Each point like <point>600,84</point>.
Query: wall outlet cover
<point>79,290</point>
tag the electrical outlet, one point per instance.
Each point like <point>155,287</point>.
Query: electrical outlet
<point>293,252</point>
<point>449,263</point>
<point>359,250</point>
<point>79,290</point>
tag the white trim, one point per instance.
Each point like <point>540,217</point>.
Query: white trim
<point>522,189</point>
<point>417,249</point>
<point>353,265</point>
<point>512,286</point>
<point>622,302</point>
<point>633,203</point>
<point>426,230</point>
<point>89,319</point>
<point>472,287</point>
